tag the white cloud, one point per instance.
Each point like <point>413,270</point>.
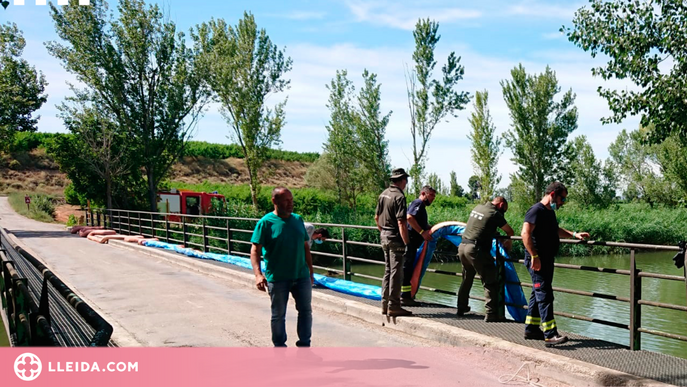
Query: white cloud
<point>405,17</point>
<point>544,9</point>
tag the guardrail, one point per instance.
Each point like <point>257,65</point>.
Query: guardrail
<point>231,235</point>
<point>30,292</point>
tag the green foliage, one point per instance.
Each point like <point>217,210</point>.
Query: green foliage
<point>435,182</point>
<point>21,87</point>
<point>72,221</point>
<point>541,127</point>
<point>637,167</point>
<point>644,42</point>
<point>71,196</point>
<point>321,174</point>
<point>225,151</point>
<point>485,147</point>
<point>455,188</point>
<point>139,71</point>
<point>28,141</point>
<point>474,185</point>
<point>426,114</point>
<point>635,223</point>
<point>243,67</point>
<point>42,207</point>
<point>371,135</point>
<point>342,145</point>
<point>593,184</point>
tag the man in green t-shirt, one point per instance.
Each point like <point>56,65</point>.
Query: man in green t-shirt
<point>474,252</point>
<point>281,237</point>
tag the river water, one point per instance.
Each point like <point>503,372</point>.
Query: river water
<point>666,291</point>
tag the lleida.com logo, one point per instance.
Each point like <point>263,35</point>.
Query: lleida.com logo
<point>27,367</point>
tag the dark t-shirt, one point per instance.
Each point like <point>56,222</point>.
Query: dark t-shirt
<point>545,235</point>
<point>482,224</point>
<point>419,212</point>
<point>391,207</point>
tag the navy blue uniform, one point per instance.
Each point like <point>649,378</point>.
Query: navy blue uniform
<point>546,242</point>
<point>419,212</point>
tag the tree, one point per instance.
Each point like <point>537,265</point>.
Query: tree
<point>645,43</point>
<point>244,68</point>
<point>434,181</point>
<point>342,143</point>
<point>21,87</point>
<point>425,114</point>
<point>593,184</point>
<point>541,127</point>
<point>456,189</point>
<point>102,145</point>
<point>485,146</point>
<point>321,174</point>
<point>638,168</point>
<point>371,133</point>
<point>141,73</point>
<point>474,186</point>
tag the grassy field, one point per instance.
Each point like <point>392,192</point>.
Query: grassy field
<point>42,207</point>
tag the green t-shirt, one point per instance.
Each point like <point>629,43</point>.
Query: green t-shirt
<point>283,242</point>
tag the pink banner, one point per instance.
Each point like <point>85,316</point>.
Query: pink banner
<point>238,367</point>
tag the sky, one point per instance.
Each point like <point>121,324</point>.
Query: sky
<point>323,36</point>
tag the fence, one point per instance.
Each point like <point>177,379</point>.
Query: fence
<point>41,310</point>
<point>231,235</point>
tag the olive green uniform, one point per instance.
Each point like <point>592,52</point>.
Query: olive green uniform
<point>475,255</point>
<point>391,207</point>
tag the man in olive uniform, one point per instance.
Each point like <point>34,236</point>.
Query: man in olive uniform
<point>390,217</point>
<point>474,252</point>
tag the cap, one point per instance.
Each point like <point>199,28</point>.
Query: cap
<point>398,173</point>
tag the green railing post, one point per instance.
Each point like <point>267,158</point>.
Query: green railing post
<point>635,307</point>
<point>228,238</point>
<point>183,229</point>
<point>97,213</point>
<point>167,228</point>
<point>128,222</point>
<point>344,255</point>
<point>205,236</point>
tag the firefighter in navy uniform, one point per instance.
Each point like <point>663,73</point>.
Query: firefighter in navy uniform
<point>474,252</point>
<point>541,237</point>
<point>419,231</point>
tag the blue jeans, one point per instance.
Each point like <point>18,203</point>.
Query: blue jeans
<point>302,294</point>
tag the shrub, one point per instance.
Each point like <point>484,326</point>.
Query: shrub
<point>72,221</point>
<point>224,151</point>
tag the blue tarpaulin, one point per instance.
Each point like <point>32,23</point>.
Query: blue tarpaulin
<point>361,290</point>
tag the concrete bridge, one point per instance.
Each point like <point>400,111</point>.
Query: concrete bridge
<point>157,298</point>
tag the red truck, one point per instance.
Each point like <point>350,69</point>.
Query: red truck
<point>188,202</point>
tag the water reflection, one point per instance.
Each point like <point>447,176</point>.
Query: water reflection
<point>672,292</point>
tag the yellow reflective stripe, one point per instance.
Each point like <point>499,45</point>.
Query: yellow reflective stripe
<point>529,320</point>
<point>549,325</point>
<point>406,288</point>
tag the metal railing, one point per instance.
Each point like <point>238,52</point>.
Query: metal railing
<point>41,309</point>
<point>217,233</point>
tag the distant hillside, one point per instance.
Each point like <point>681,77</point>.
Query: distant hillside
<point>29,168</point>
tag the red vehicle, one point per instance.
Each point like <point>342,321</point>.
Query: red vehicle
<point>188,202</point>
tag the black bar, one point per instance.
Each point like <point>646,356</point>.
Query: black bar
<point>635,307</point>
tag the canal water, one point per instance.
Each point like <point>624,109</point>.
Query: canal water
<point>666,291</point>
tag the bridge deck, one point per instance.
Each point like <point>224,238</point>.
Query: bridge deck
<point>652,365</point>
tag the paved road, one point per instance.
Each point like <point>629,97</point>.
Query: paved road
<point>151,302</point>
